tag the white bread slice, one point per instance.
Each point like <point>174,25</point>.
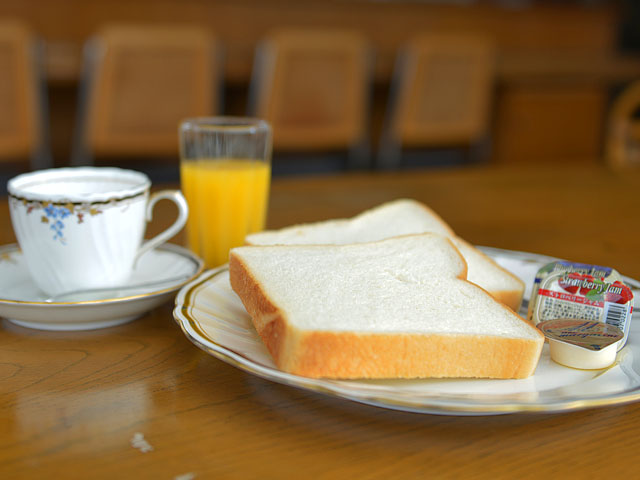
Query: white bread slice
<point>397,308</point>
<point>400,217</point>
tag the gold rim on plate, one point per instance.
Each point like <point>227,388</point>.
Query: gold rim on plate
<point>428,402</point>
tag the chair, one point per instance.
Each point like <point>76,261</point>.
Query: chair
<point>440,95</point>
<point>138,83</point>
<point>622,147</point>
<point>24,133</point>
<point>313,86</point>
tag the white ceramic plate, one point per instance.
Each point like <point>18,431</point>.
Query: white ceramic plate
<point>158,275</point>
<point>214,319</point>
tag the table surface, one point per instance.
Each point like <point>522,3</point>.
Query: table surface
<point>71,402</point>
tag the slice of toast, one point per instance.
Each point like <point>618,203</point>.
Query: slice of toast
<point>397,308</point>
<point>400,217</point>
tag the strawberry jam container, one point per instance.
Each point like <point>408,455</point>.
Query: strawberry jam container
<point>562,266</point>
<point>583,296</point>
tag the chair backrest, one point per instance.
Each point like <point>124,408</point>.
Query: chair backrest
<point>139,82</point>
<point>23,122</point>
<point>622,147</point>
<point>313,86</point>
<point>441,92</point>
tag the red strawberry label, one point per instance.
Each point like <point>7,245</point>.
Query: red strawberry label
<point>595,289</point>
<point>588,284</point>
<point>570,282</point>
<point>618,292</point>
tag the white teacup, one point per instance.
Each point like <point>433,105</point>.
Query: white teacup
<point>82,228</point>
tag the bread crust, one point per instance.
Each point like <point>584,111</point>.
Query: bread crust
<point>351,355</point>
<point>511,298</point>
<point>267,319</point>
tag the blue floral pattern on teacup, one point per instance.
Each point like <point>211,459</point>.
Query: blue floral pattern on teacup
<point>55,216</point>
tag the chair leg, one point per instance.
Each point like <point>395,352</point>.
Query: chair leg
<point>41,159</point>
<point>41,156</point>
<point>389,155</point>
<point>480,151</point>
<point>359,156</point>
<point>80,154</point>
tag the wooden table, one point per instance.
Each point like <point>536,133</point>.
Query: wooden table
<point>71,403</point>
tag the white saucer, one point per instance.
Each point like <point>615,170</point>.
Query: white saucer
<point>165,269</point>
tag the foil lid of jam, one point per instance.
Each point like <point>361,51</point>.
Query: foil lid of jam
<point>582,344</point>
<point>586,334</point>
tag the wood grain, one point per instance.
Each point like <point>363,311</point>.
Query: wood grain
<point>70,403</point>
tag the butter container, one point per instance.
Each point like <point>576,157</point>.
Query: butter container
<point>582,344</point>
<point>573,295</point>
<point>562,266</point>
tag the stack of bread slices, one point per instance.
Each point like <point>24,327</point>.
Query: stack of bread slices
<point>390,293</point>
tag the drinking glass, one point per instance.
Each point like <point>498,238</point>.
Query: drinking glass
<point>225,172</point>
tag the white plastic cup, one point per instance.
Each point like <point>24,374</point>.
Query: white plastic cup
<point>82,228</point>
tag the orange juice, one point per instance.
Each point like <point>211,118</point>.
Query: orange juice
<point>227,200</point>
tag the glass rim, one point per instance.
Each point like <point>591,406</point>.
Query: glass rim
<point>230,124</point>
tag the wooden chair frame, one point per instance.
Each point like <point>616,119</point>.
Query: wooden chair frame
<point>268,97</point>
<point>622,147</point>
<point>403,128</point>
<point>30,140</point>
<point>91,135</point>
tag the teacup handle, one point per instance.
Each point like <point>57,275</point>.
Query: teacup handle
<point>183,212</point>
